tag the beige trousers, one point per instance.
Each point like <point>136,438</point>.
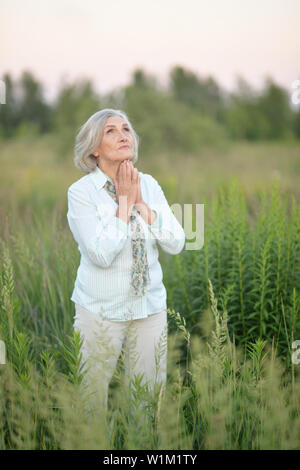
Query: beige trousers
<point>145,353</point>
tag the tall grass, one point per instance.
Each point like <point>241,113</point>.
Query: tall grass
<point>231,383</point>
<point>232,400</point>
<point>252,256</point>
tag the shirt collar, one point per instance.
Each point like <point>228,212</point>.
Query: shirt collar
<point>99,178</point>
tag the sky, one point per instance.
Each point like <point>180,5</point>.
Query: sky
<point>105,41</point>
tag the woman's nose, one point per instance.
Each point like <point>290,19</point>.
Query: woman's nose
<point>123,135</point>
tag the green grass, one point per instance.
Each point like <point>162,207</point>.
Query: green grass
<point>231,382</point>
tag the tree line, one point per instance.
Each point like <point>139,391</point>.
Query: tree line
<point>191,112</point>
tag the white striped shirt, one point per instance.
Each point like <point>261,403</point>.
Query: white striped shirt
<point>102,285</point>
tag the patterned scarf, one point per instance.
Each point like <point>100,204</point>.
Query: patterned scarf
<point>140,269</point>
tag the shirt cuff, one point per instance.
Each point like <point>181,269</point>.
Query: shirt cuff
<point>114,228</point>
<point>120,224</point>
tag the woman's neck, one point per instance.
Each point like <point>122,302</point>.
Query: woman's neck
<point>110,171</point>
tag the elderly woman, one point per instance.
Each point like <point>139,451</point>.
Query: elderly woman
<point>118,216</point>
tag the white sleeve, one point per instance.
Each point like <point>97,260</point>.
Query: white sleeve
<point>166,228</point>
<point>101,236</point>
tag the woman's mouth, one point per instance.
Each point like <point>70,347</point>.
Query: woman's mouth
<point>124,147</point>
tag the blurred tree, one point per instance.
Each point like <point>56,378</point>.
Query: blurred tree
<point>165,124</point>
<point>74,105</point>
<point>243,116</point>
<point>200,94</point>
<point>191,113</point>
<point>142,80</point>
<point>275,107</point>
<point>32,107</point>
<point>8,111</point>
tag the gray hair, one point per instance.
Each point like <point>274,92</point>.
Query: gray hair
<point>90,135</point>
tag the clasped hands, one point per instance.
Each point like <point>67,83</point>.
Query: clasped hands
<point>127,183</point>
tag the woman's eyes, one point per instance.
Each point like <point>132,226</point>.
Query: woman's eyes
<point>126,128</point>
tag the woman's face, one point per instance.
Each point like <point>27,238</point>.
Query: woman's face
<point>117,142</point>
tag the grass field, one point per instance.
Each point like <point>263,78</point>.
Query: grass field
<point>233,307</point>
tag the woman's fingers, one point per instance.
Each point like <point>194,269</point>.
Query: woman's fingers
<point>129,170</point>
<point>127,181</point>
<point>127,173</point>
<point>133,170</point>
<point>123,171</point>
<point>135,175</point>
